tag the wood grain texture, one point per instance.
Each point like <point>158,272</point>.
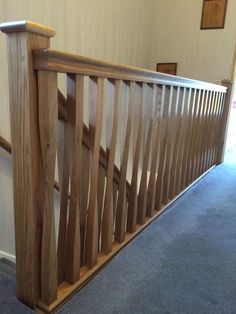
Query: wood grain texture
<point>132,201</point>
<point>47,95</point>
<point>64,177</point>
<point>84,199</point>
<point>121,202</point>
<point>157,129</point>
<point>27,165</point>
<point>108,218</point>
<point>48,59</point>
<point>163,147</point>
<point>142,196</point>
<point>27,26</point>
<point>75,129</point>
<point>170,134</point>
<point>95,122</point>
<point>173,141</point>
<point>158,133</point>
<point>176,149</point>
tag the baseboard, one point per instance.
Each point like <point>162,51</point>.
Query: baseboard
<point>7,256</point>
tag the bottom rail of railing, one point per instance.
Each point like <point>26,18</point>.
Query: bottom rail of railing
<point>66,291</point>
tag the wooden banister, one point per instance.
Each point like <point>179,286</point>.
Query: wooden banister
<point>54,60</point>
<point>5,144</point>
<point>165,131</point>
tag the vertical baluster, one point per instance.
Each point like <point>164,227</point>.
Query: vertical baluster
<point>115,196</point>
<point>160,149</point>
<point>186,139</point>
<point>206,99</point>
<point>84,198</point>
<point>96,91</point>
<point>101,186</point>
<point>209,130</point>
<point>169,150</point>
<point>142,197</point>
<point>213,128</point>
<point>193,146</point>
<point>205,138</point>
<point>184,97</point>
<point>64,191</point>
<point>224,107</point>
<point>177,119</point>
<point>200,134</point>
<point>158,114</point>
<point>121,202</point>
<point>217,119</point>
<point>197,132</point>
<point>163,147</point>
<point>189,138</point>
<point>132,201</point>
<point>192,113</point>
<point>107,220</point>
<point>48,111</point>
<point>75,130</point>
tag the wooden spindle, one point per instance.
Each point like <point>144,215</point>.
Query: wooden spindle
<point>64,175</point>
<point>95,125</point>
<point>142,197</point>
<point>48,109</point>
<point>75,87</point>
<point>107,221</point>
<point>84,198</point>
<point>158,110</point>
<point>121,202</point>
<point>132,201</point>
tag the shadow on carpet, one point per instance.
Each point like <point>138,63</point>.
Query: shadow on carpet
<point>184,262</point>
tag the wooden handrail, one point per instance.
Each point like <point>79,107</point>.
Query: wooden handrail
<point>5,144</point>
<point>54,60</point>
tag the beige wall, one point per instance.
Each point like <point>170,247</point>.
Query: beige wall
<point>201,54</point>
<point>116,30</point>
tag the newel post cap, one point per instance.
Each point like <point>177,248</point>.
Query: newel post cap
<point>27,26</point>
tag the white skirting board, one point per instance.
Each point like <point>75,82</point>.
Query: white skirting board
<point>8,256</point>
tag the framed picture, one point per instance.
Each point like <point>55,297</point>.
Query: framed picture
<point>213,14</point>
<point>168,68</point>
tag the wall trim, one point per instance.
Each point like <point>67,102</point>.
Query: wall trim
<point>8,256</point>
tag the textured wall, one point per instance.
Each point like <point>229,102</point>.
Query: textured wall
<point>201,54</point>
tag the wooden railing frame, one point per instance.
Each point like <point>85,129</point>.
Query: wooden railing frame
<point>34,136</point>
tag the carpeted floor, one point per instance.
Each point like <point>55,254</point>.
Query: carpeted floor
<point>184,262</point>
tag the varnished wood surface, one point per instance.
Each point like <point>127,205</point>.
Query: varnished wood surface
<point>5,144</point>
<point>49,59</point>
<point>65,291</point>
<point>160,132</point>
<point>27,26</point>
<point>27,171</point>
<point>47,98</point>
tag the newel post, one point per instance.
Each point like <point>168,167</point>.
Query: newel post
<point>22,38</point>
<point>225,121</point>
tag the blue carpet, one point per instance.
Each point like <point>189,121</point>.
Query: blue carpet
<point>184,262</point>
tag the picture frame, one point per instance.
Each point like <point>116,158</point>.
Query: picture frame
<point>167,67</point>
<point>213,14</point>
